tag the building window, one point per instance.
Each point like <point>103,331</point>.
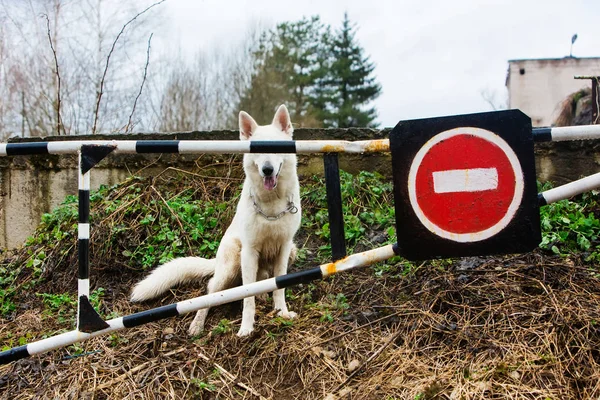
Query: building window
<point>522,71</point>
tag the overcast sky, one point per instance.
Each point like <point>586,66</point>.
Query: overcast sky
<point>433,58</point>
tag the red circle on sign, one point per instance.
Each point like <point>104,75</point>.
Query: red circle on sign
<point>465,211</point>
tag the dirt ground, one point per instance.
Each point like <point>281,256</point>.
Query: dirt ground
<point>510,327</point>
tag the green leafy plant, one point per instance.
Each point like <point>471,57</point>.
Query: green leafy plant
<point>367,207</point>
<point>570,226</point>
<point>203,386</point>
<point>283,322</point>
<point>63,306</point>
<point>96,297</point>
<point>224,326</point>
<point>10,341</point>
<point>7,306</point>
<point>326,317</point>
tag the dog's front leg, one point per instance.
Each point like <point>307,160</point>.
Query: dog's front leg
<point>249,260</point>
<point>279,269</point>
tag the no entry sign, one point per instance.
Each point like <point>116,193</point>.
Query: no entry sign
<point>465,185</point>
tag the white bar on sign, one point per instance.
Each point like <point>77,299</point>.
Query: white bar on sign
<point>465,180</point>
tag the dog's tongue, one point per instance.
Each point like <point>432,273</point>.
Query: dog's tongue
<point>270,182</point>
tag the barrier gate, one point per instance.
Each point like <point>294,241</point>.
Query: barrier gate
<point>463,185</point>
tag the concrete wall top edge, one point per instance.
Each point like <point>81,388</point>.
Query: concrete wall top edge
<point>299,134</point>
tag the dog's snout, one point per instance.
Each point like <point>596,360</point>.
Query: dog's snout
<point>267,169</point>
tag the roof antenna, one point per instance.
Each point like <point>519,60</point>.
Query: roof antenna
<point>573,39</point>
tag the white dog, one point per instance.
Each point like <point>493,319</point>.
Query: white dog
<point>259,241</point>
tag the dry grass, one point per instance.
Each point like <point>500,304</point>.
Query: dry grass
<point>568,107</point>
<point>518,327</point>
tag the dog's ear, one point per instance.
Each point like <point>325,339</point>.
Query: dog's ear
<point>282,120</point>
<point>247,125</point>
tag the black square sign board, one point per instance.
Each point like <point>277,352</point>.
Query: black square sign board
<point>465,185</point>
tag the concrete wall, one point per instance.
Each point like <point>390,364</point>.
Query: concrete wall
<point>34,185</point>
<point>537,87</point>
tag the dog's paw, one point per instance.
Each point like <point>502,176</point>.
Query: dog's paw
<point>287,314</point>
<point>245,332</point>
<point>195,329</point>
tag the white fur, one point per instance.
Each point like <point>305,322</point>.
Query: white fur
<point>252,245</point>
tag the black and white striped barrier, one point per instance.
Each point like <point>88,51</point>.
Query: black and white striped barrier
<point>199,146</point>
<point>90,324</point>
<point>210,300</point>
<point>584,132</point>
<point>566,133</point>
<point>88,319</point>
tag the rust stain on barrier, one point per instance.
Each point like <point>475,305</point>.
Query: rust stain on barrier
<point>333,148</point>
<point>354,260</point>
<point>331,268</point>
<point>377,146</point>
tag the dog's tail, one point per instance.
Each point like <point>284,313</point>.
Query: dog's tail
<point>171,274</point>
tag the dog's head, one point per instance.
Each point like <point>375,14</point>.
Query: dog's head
<point>267,167</point>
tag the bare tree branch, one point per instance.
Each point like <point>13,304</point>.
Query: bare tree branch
<point>489,96</point>
<point>129,125</point>
<point>58,114</point>
<point>112,49</point>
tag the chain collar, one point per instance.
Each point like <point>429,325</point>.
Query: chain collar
<point>291,208</point>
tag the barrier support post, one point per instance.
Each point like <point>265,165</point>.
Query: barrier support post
<point>88,319</point>
<point>334,206</point>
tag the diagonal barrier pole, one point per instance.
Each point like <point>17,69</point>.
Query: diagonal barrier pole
<point>210,300</point>
<point>570,189</point>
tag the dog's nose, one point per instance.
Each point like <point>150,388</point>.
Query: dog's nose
<point>267,169</point>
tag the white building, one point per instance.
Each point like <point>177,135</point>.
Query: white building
<point>538,86</point>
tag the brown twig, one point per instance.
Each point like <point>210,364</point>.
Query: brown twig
<point>58,115</point>
<point>138,368</point>
<point>112,49</point>
<point>200,175</point>
<point>371,358</point>
<point>128,127</point>
<point>232,377</point>
<point>358,328</point>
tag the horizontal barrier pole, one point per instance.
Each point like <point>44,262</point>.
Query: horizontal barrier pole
<point>582,132</point>
<point>564,133</point>
<point>200,146</point>
<point>570,189</point>
<point>210,300</point>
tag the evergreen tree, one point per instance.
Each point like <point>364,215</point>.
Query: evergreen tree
<point>324,79</point>
<point>350,85</point>
<point>289,62</point>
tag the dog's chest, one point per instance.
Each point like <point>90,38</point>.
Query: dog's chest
<point>270,236</point>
